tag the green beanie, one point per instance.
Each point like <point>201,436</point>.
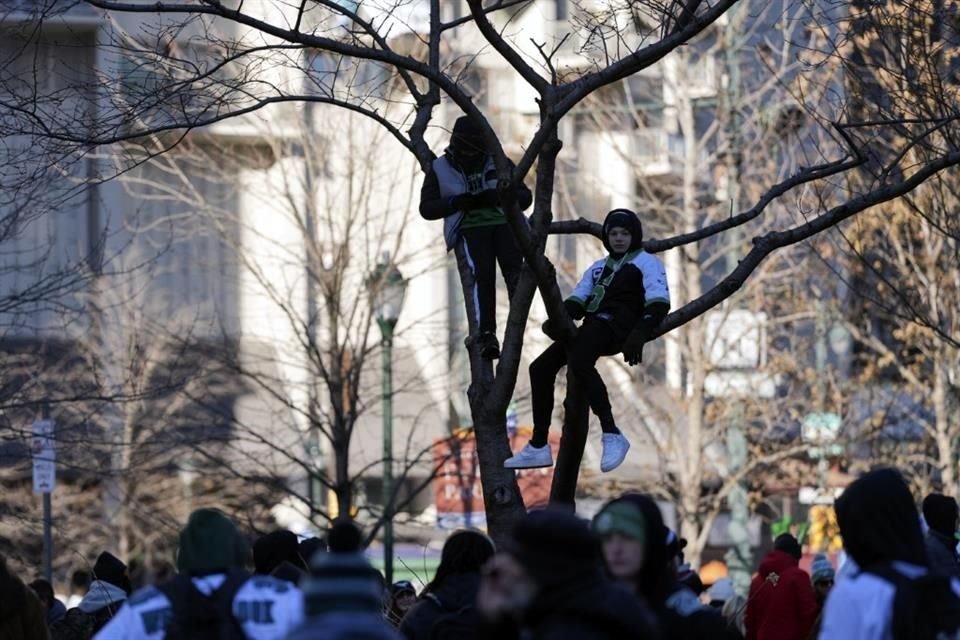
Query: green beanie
<point>209,543</point>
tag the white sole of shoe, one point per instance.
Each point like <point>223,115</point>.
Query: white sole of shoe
<point>526,465</point>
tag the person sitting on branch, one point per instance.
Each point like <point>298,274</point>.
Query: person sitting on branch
<point>622,299</point>
<point>461,188</point>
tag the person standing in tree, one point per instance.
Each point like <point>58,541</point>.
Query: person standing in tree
<point>461,188</point>
<point>622,299</point>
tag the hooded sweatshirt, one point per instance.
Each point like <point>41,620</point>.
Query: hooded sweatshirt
<point>782,604</point>
<point>210,547</point>
<point>678,610</point>
<point>880,525</point>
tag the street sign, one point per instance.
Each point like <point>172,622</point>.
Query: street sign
<point>820,428</point>
<point>43,448</point>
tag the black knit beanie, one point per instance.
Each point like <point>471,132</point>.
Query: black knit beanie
<point>210,543</point>
<point>555,547</point>
<point>786,543</point>
<point>940,512</point>
<point>625,219</point>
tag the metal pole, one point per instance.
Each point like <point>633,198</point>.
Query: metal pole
<point>386,326</point>
<point>47,522</point>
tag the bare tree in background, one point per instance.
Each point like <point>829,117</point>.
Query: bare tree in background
<point>310,351</point>
<point>182,66</point>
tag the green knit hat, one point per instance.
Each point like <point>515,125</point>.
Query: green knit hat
<point>620,517</point>
<point>210,542</point>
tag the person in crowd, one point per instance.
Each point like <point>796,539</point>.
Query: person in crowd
<point>278,554</point>
<point>212,595</point>
<point>547,583</point>
<point>343,596</point>
<point>941,514</point>
<point>822,576</point>
<point>402,597</point>
<point>453,589</point>
<point>733,612</point>
<point>719,592</point>
<point>309,547</point>
<point>461,187</point>
<point>622,299</point>
<point>642,554</point>
<point>781,604</point>
<point>22,615</point>
<point>107,592</point>
<point>79,583</point>
<point>273,549</point>
<point>55,608</point>
<point>883,538</point>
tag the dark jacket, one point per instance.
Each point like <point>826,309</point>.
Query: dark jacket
<point>942,554</point>
<point>433,206</point>
<point>781,605</point>
<point>22,615</point>
<point>590,609</point>
<point>457,591</point>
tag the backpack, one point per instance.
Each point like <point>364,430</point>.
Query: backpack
<point>196,616</point>
<point>924,608</point>
<point>454,624</point>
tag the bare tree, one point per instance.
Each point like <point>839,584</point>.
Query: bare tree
<point>198,65</point>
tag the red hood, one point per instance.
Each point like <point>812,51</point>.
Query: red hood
<point>777,562</point>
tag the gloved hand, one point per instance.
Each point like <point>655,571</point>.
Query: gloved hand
<point>550,330</point>
<point>575,309</point>
<point>488,198</point>
<point>464,202</point>
<point>633,347</point>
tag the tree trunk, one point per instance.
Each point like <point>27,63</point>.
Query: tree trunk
<point>942,420</point>
<point>576,423</point>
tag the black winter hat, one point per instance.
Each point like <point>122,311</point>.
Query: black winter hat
<point>786,543</point>
<point>555,547</point>
<point>625,219</point>
<point>467,137</point>
<point>275,548</point>
<point>110,568</point>
<point>941,513</point>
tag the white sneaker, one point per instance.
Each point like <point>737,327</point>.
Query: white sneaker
<point>530,457</point>
<point>615,447</point>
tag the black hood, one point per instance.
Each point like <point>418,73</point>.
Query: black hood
<point>458,590</point>
<point>625,219</point>
<point>879,521</point>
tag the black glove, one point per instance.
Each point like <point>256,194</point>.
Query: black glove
<point>488,198</point>
<point>633,347</point>
<point>574,308</point>
<point>550,330</point>
<point>464,202</point>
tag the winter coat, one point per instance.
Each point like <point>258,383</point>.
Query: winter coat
<point>942,553</point>
<point>781,605</point>
<point>102,601</point>
<point>589,609</point>
<point>459,590</point>
<point>22,615</point>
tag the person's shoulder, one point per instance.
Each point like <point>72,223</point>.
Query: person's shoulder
<point>643,259</point>
<point>147,596</point>
<point>259,585</point>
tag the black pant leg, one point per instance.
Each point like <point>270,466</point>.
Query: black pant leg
<point>480,246</point>
<point>543,379</point>
<point>595,338</point>
<point>509,256</point>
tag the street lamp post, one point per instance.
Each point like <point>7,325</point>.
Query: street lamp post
<point>387,287</point>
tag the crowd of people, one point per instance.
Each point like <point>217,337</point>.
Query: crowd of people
<point>556,577</point>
